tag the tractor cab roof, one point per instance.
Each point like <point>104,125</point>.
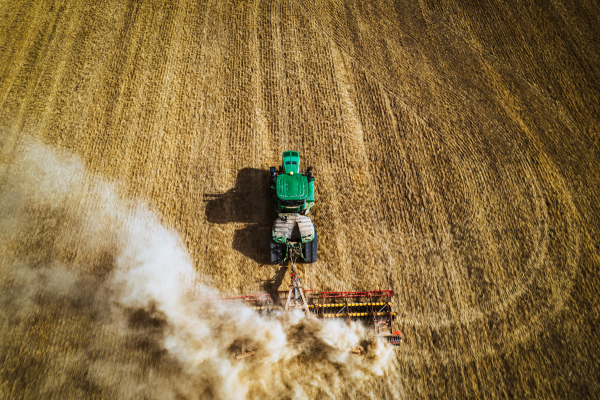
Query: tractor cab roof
<point>291,162</point>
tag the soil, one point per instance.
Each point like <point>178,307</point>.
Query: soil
<point>455,147</point>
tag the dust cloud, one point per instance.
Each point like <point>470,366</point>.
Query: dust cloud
<point>99,299</point>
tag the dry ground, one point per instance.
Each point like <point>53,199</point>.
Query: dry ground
<point>456,149</point>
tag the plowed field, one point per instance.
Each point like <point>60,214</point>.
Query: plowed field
<point>456,150</point>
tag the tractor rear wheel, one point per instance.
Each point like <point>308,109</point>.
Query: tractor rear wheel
<point>310,250</point>
<point>277,252</point>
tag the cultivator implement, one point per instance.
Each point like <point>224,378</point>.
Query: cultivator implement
<point>371,308</point>
<point>261,303</point>
<point>374,309</point>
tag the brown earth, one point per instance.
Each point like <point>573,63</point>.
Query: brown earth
<point>455,146</point>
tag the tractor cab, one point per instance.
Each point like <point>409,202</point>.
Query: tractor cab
<point>291,162</point>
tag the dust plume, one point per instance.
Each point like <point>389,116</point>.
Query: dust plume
<point>98,299</point>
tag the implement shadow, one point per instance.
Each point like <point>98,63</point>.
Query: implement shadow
<point>271,286</point>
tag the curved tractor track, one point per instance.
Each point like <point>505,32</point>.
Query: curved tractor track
<point>455,148</point>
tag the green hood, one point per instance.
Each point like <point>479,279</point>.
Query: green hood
<point>292,187</point>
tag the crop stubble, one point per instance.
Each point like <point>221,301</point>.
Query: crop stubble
<point>455,149</point>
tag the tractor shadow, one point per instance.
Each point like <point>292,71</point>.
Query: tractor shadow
<point>248,203</point>
<point>253,242</point>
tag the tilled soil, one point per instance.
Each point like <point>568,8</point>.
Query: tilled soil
<point>455,148</point>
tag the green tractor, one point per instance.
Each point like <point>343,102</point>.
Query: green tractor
<point>292,194</point>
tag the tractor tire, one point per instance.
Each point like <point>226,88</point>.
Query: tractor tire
<point>310,250</point>
<point>277,252</point>
<point>314,247</point>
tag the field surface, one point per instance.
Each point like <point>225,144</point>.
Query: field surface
<point>455,144</point>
